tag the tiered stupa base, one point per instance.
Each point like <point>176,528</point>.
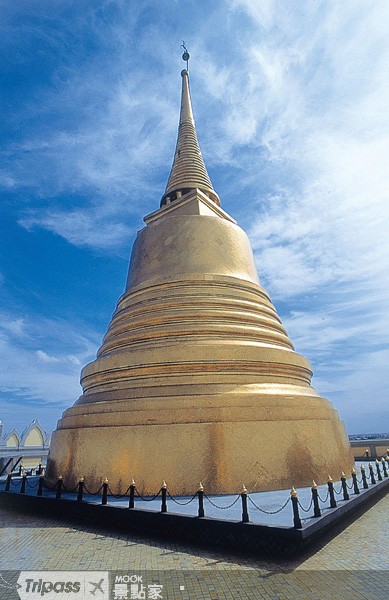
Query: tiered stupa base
<point>250,437</point>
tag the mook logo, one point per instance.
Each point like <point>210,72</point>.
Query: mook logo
<point>58,585</point>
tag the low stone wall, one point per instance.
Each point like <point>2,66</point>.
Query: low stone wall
<point>369,448</point>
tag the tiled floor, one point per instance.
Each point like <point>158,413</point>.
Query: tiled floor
<point>353,564</point>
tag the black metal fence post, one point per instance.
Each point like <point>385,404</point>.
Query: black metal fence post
<point>40,485</point>
<point>330,484</point>
<point>315,499</point>
<point>200,496</point>
<point>40,469</point>
<point>104,497</point>
<point>80,490</point>
<point>344,487</point>
<point>364,478</point>
<point>245,512</point>
<point>8,482</point>
<point>355,481</point>
<point>295,504</point>
<point>377,466</point>
<point>384,467</point>
<point>372,478</point>
<point>131,503</point>
<point>21,469</point>
<point>23,486</point>
<point>58,488</point>
<point>164,503</point>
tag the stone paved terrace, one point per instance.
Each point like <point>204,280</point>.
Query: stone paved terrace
<point>352,563</point>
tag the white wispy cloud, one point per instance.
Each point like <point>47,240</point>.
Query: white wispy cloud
<point>14,326</point>
<point>81,227</point>
<point>49,375</point>
<point>43,356</point>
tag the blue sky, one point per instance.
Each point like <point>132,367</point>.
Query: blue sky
<point>291,106</point>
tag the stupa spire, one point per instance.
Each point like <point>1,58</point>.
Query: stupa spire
<point>188,171</point>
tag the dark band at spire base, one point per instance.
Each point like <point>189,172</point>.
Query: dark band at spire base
<point>175,195</point>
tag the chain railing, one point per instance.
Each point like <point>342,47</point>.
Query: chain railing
<point>32,486</point>
<point>306,510</point>
<point>269,512</point>
<point>72,491</point>
<point>132,492</point>
<point>147,498</point>
<point>182,503</point>
<point>222,507</point>
<point>325,499</point>
<point>118,496</point>
<point>16,483</point>
<point>93,493</point>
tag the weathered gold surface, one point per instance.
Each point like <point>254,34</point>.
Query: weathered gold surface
<point>196,379</point>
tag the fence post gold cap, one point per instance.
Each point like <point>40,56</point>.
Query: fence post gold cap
<point>293,492</point>
<point>342,475</point>
<point>200,488</point>
<point>164,486</point>
<point>244,489</point>
<point>382,459</point>
<point>132,481</point>
<point>106,480</point>
<point>376,461</point>
<point>81,480</point>
<point>59,476</point>
<point>314,485</point>
<point>330,478</point>
<point>362,467</point>
<point>41,475</point>
<point>354,471</point>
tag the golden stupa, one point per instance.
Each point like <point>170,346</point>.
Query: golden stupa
<point>196,379</point>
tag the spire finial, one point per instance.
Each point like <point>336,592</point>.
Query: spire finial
<point>186,55</point>
<point>188,171</point>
